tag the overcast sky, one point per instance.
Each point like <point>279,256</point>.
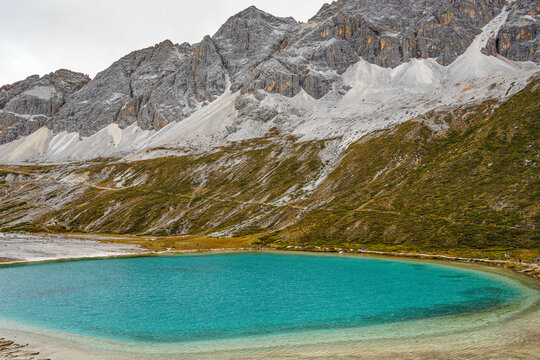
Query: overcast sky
<point>40,36</point>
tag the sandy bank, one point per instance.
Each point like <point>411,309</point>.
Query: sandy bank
<point>25,247</point>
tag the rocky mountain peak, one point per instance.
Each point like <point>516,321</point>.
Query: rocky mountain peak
<point>262,54</point>
<point>254,14</point>
<point>251,12</point>
<point>252,18</point>
<point>248,38</point>
<point>327,8</point>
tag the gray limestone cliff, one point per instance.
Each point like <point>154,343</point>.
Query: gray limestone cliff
<point>258,53</point>
<point>26,105</point>
<point>153,87</point>
<point>519,37</point>
<point>383,32</point>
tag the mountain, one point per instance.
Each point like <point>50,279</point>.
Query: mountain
<point>464,178</point>
<point>256,54</point>
<point>28,104</point>
<point>368,124</point>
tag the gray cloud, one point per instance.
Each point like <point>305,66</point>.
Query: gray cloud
<point>40,36</point>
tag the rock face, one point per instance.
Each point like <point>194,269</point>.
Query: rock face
<point>13,126</point>
<point>41,96</point>
<point>519,37</point>
<point>249,38</point>
<point>389,32</point>
<point>384,32</point>
<point>26,105</point>
<point>153,87</point>
<point>258,53</point>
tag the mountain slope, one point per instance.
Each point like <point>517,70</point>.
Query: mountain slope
<point>360,127</point>
<point>257,57</point>
<point>465,178</point>
<point>366,97</point>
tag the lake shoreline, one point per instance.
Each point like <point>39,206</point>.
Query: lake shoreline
<point>529,270</point>
<point>525,273</point>
<point>66,247</point>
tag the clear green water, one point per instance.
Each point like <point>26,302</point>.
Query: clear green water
<point>176,299</point>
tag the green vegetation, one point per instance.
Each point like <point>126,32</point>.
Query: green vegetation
<point>475,186</point>
<point>471,187</point>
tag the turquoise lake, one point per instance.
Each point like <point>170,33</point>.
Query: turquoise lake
<point>181,299</point>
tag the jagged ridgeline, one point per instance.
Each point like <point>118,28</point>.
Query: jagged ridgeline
<point>259,54</point>
<point>377,122</point>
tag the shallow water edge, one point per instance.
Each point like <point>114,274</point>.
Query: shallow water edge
<point>510,331</point>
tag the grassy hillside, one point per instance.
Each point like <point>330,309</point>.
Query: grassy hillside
<point>475,184</point>
<point>241,186</point>
<point>466,178</point>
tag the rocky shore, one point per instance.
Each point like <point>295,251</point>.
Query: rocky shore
<point>10,350</point>
<point>529,269</point>
<point>26,247</point>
